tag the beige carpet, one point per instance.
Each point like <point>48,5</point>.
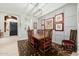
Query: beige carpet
<point>8,46</point>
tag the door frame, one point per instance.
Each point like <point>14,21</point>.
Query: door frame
<point>6,17</point>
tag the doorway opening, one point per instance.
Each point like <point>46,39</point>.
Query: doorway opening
<point>10,26</point>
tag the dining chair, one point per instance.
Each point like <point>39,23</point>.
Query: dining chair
<point>71,44</point>
<point>31,42</point>
<point>45,44</point>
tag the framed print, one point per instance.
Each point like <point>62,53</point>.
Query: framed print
<point>35,25</point>
<point>59,22</point>
<point>59,17</point>
<point>59,27</point>
<point>43,23</point>
<point>49,23</point>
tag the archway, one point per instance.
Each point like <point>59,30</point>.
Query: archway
<point>10,26</point>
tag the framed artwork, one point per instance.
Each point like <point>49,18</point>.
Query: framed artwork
<point>35,25</point>
<point>49,23</point>
<point>59,17</point>
<point>59,27</point>
<point>42,23</point>
<point>59,22</point>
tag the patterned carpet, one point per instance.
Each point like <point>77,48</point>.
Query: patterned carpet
<point>26,50</point>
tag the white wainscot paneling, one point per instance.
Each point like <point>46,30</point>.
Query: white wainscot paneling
<point>59,32</point>
<point>58,36</point>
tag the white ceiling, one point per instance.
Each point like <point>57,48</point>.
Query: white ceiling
<point>33,9</point>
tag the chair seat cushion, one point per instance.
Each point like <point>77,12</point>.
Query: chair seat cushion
<point>67,42</point>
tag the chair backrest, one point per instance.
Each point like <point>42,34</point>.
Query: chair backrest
<point>73,35</point>
<point>30,32</point>
<point>40,31</point>
<point>48,33</point>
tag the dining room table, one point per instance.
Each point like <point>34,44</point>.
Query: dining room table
<point>39,36</point>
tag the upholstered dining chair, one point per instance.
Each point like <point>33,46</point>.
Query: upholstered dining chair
<point>71,44</point>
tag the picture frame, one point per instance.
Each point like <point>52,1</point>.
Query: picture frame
<point>42,23</point>
<point>49,23</point>
<point>59,22</point>
<point>59,27</point>
<point>59,17</point>
<point>35,25</point>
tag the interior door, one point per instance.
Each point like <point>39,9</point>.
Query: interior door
<point>13,28</point>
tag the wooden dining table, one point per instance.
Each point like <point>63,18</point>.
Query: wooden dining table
<point>41,41</point>
<point>39,36</point>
